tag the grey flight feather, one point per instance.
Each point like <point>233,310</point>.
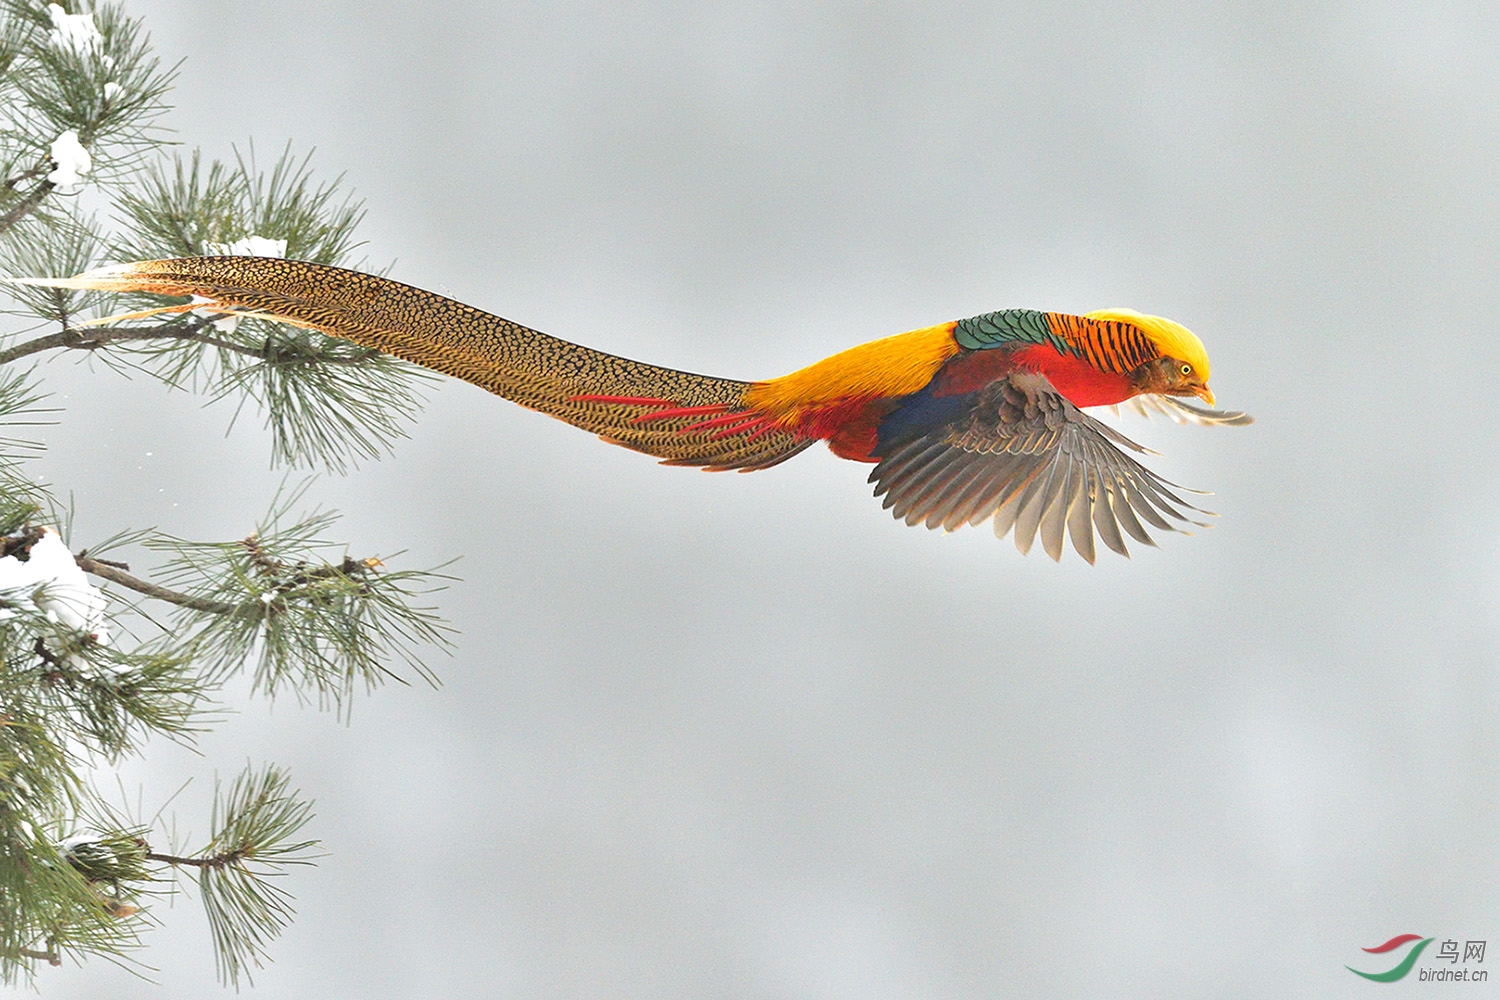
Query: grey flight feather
<point>1028,459</point>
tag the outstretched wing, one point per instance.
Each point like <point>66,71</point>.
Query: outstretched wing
<point>1026,457</point>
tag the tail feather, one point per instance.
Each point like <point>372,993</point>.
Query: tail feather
<point>659,411</point>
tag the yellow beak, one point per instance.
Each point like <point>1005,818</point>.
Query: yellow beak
<point>1204,393</point>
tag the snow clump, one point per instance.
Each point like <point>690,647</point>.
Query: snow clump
<point>73,31</point>
<point>50,581</point>
<point>73,161</point>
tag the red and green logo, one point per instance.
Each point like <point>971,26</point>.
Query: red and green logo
<point>1403,966</point>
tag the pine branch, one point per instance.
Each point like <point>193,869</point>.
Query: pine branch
<point>192,330</point>
<point>30,203</point>
<point>303,616</point>
<point>256,826</point>
<point>64,338</point>
<point>214,861</point>
<point>116,573</point>
<point>310,623</point>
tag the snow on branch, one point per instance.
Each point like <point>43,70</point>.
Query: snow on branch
<point>49,580</point>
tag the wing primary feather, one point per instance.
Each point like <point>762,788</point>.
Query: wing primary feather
<point>1164,489</point>
<point>1165,500</point>
<point>1010,507</point>
<point>983,497</point>
<point>894,481</point>
<point>1080,508</point>
<point>1110,434</point>
<point>1113,463</point>
<point>897,457</point>
<point>893,462</point>
<point>918,496</point>
<point>1005,516</point>
<point>1054,516</point>
<point>1136,482</point>
<point>1055,519</point>
<point>1103,514</point>
<point>1051,529</point>
<point>963,511</point>
<point>1119,503</point>
<point>957,493</point>
<point>1033,506</point>
<point>1142,505</point>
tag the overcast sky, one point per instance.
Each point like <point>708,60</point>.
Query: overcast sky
<point>745,735</point>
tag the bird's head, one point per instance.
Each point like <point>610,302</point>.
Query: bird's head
<point>1181,369</point>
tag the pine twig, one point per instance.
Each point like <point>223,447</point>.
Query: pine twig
<point>64,338</point>
<point>116,574</point>
<point>194,331</point>
<point>26,205</point>
<point>92,340</point>
<point>213,861</point>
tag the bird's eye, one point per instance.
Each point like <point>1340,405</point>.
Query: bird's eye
<point>1187,369</point>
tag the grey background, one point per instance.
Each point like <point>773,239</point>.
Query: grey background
<point>722,735</point>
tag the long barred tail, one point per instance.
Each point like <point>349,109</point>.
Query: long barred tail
<point>682,418</point>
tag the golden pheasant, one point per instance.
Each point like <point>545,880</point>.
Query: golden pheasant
<point>974,420</point>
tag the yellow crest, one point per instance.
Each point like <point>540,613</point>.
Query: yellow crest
<point>1173,339</point>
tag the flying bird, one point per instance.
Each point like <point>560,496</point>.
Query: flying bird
<point>975,420</point>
